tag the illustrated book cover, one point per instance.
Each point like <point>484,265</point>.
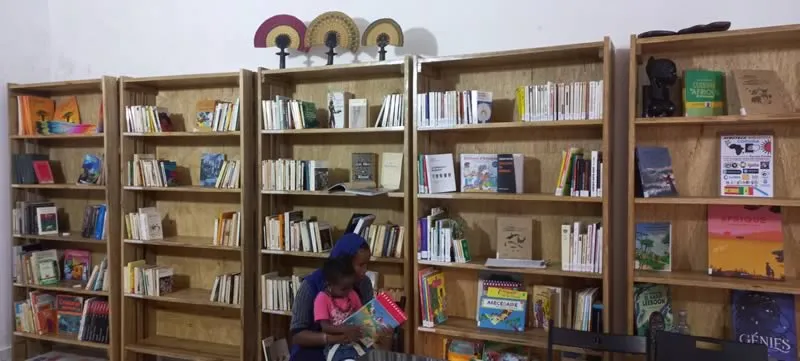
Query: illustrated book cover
<point>654,173</point>
<point>761,92</point>
<point>77,265</point>
<point>503,309</point>
<point>378,315</point>
<point>768,319</point>
<point>746,166</point>
<point>652,305</point>
<point>745,242</point>
<point>210,166</point>
<point>653,246</point>
<point>514,238</point>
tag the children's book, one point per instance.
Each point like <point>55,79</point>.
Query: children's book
<point>745,242</point>
<point>652,305</point>
<point>210,166</point>
<point>68,111</point>
<point>376,316</point>
<point>463,350</point>
<point>768,319</point>
<point>503,309</point>
<point>77,265</point>
<point>433,297</point>
<point>653,246</point>
<point>92,170</point>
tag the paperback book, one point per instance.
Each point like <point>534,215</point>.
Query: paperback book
<point>378,315</point>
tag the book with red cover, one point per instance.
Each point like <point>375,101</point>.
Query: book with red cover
<point>44,175</point>
<point>379,314</point>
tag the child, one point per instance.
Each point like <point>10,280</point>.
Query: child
<point>335,304</point>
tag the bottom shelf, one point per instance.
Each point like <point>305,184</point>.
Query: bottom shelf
<point>465,328</point>
<point>62,340</point>
<point>184,349</point>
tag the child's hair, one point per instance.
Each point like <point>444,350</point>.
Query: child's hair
<point>335,269</point>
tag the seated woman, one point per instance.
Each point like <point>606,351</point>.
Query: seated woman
<point>308,341</point>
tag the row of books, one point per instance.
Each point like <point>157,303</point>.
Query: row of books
<point>450,108</point>
<point>35,218</point>
<point>581,174</point>
<point>147,171</point>
<point>148,280</point>
<point>500,173</point>
<point>227,229</point>
<point>144,225</point>
<point>37,169</point>
<point>287,113</point>
<point>385,240</point>
<point>288,231</point>
<point>294,175</point>
<point>217,116</point>
<point>560,101</point>
<point>66,316</point>
<point>227,289</point>
<point>35,265</point>
<point>582,247</point>
<point>147,119</point>
<point>392,113</point>
<point>217,172</point>
<point>439,237</point>
<point>277,292</point>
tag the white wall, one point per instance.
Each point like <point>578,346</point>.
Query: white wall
<point>24,40</point>
<point>89,38</point>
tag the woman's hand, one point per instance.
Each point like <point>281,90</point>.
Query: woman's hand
<point>352,333</point>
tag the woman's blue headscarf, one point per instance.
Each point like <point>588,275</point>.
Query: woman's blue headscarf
<point>348,245</point>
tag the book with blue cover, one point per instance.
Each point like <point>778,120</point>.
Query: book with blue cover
<point>503,309</point>
<point>210,166</point>
<point>768,319</point>
<point>382,313</point>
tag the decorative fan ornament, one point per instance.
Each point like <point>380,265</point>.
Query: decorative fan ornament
<point>381,33</point>
<point>283,32</point>
<point>333,29</point>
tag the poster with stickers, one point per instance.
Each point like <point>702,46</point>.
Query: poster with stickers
<point>746,166</point>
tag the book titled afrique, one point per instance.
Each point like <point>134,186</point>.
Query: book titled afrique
<point>382,313</point>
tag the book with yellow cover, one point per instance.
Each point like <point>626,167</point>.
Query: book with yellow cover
<point>67,110</point>
<point>745,242</point>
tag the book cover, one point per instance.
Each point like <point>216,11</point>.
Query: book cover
<point>503,309</point>
<point>436,296</point>
<point>47,220</point>
<point>309,110</point>
<point>364,169</point>
<point>44,175</point>
<point>653,246</point>
<point>652,304</point>
<point>514,238</point>
<point>768,319</point>
<point>746,166</point>
<point>210,166</point>
<point>358,113</point>
<point>376,316</point>
<point>654,173</point>
<point>463,350</point>
<point>496,351</point>
<point>337,109</point>
<point>482,105</point>
<point>69,309</point>
<point>745,242</point>
<point>761,92</point>
<point>91,170</point>
<point>77,265</point>
<point>509,173</point>
<point>479,172</point>
<point>439,173</point>
<point>205,115</point>
<point>542,298</point>
<point>703,93</point>
<point>67,110</point>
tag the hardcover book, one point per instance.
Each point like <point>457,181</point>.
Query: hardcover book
<point>44,175</point>
<point>745,242</point>
<point>503,309</point>
<point>703,93</point>
<point>210,166</point>
<point>652,304</point>
<point>768,319</point>
<point>654,173</point>
<point>653,246</point>
<point>761,92</point>
<point>92,170</point>
<point>378,315</point>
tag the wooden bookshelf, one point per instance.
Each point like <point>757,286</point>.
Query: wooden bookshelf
<point>365,80</point>
<point>693,144</point>
<point>541,143</point>
<point>66,157</point>
<point>185,323</point>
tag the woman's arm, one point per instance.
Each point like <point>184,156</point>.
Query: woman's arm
<point>303,320</point>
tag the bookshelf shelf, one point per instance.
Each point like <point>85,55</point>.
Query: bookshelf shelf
<point>517,126</point>
<point>740,201</point>
<point>479,265</point>
<point>699,279</point>
<point>185,323</point>
<point>63,287</point>
<point>62,340</point>
<point>370,81</point>
<point>87,187</point>
<point>186,296</point>
<point>184,349</point>
<point>530,197</point>
<point>541,144</point>
<point>694,146</point>
<point>183,189</point>
<point>185,242</point>
<point>65,154</point>
<point>722,120</point>
<point>279,313</point>
<point>333,131</point>
<point>331,194</point>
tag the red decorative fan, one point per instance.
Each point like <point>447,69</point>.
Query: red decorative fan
<point>283,32</point>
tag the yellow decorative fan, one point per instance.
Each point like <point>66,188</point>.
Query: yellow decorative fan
<point>381,33</point>
<point>333,29</point>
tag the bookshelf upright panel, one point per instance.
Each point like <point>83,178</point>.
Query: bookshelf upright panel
<point>187,323</point>
<point>97,104</point>
<point>370,81</point>
<point>541,143</point>
<point>694,146</point>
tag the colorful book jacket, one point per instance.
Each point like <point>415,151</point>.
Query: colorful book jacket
<point>77,265</point>
<point>479,172</point>
<point>379,314</point>
<point>70,310</point>
<point>463,350</point>
<point>653,246</point>
<point>210,166</point>
<point>503,309</point>
<point>92,169</point>
<point>654,173</point>
<point>745,242</point>
<point>652,303</point>
<point>768,319</point>
<point>432,297</point>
